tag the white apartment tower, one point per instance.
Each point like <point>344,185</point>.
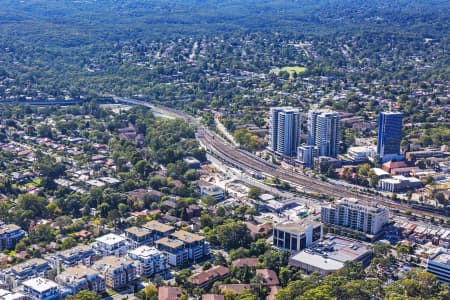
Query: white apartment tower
<point>284,130</point>
<point>323,132</point>
<point>350,214</point>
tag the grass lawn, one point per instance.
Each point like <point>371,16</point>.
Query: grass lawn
<point>291,70</point>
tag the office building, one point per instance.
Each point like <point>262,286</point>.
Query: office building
<point>295,236</point>
<point>41,289</point>
<point>350,214</point>
<point>119,272</point>
<point>149,260</point>
<point>439,265</point>
<point>323,132</point>
<point>284,130</point>
<point>80,278</point>
<point>10,234</point>
<point>389,135</point>
<point>306,154</point>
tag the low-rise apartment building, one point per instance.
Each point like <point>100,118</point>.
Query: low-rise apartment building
<point>83,254</point>
<point>158,230</point>
<point>175,251</point>
<point>80,278</point>
<point>41,289</point>
<point>195,244</point>
<point>111,244</point>
<point>149,260</point>
<point>139,236</point>
<point>119,272</point>
<point>10,234</point>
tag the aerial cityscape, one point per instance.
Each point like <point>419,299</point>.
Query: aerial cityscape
<point>224,150</point>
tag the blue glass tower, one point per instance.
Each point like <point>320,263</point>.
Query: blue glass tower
<point>389,133</point>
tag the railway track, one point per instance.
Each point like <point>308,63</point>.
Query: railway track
<point>247,161</point>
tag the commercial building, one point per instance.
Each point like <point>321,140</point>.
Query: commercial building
<point>296,236</point>
<point>41,289</point>
<point>399,183</point>
<point>349,213</point>
<point>330,255</point>
<point>10,234</point>
<point>119,272</point>
<point>149,260</point>
<point>389,135</point>
<point>284,130</point>
<point>360,153</point>
<point>111,244</point>
<point>323,132</point>
<point>79,278</point>
<point>439,265</point>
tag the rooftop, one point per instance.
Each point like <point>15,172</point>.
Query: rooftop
<point>213,297</point>
<point>78,272</point>
<point>296,227</point>
<point>145,251</point>
<point>29,263</point>
<point>170,243</point>
<point>159,227</point>
<point>75,250</point>
<point>138,231</point>
<point>442,257</point>
<point>112,262</point>
<point>187,237</point>
<point>169,293</point>
<point>331,253</point>
<point>110,239</point>
<point>40,284</point>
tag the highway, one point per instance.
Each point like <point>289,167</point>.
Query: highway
<point>250,163</point>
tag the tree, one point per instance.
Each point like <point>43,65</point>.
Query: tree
<point>151,292</point>
<point>42,234</point>
<point>254,193</point>
<point>206,221</point>
<point>322,292</point>
<point>68,243</point>
<point>85,295</point>
<point>233,235</point>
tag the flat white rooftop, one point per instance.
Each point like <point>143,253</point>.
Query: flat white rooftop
<point>145,251</point>
<point>318,261</point>
<point>40,284</point>
<point>110,239</point>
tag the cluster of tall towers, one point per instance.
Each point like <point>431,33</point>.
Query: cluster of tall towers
<point>285,131</point>
<point>323,134</point>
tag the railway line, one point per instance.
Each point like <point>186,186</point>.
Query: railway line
<point>249,162</point>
